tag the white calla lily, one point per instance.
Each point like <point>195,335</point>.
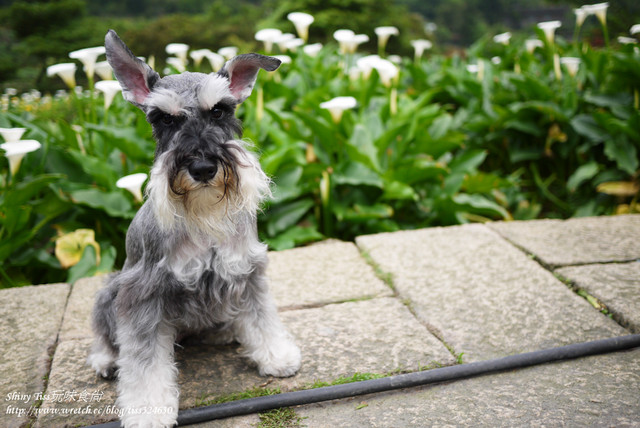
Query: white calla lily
<point>571,64</point>
<point>177,63</point>
<point>15,151</point>
<point>12,134</point>
<point>549,28</point>
<point>66,71</point>
<point>419,46</point>
<point>133,183</point>
<point>337,106</point>
<point>384,33</point>
<point>228,52</point>
<point>349,41</point>
<point>179,50</point>
<point>598,9</point>
<point>502,38</point>
<point>532,44</point>
<point>198,55</point>
<point>109,88</point>
<point>216,60</point>
<point>268,36</point>
<point>104,70</point>
<point>301,21</point>
<point>282,40</point>
<point>313,49</point>
<point>623,40</point>
<point>88,58</point>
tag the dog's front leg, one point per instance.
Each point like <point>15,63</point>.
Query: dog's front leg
<point>147,389</point>
<point>260,331</point>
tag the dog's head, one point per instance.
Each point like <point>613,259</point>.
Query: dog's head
<point>201,170</point>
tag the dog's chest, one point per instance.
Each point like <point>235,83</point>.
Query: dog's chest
<point>191,259</point>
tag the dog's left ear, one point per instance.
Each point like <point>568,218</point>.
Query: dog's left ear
<point>242,72</point>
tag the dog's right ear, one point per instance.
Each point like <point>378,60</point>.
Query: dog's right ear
<point>135,76</point>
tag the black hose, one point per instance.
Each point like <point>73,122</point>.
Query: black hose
<point>444,374</point>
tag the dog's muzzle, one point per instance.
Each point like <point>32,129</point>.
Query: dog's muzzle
<point>202,170</point>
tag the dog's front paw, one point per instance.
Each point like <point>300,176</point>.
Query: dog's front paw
<point>149,417</point>
<point>281,359</point>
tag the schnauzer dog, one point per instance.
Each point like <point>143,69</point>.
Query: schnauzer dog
<point>194,262</point>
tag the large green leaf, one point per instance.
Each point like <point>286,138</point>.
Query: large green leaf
<point>624,153</point>
<point>360,148</point>
<point>586,126</point>
<point>286,215</point>
<point>126,140</point>
<point>115,204</point>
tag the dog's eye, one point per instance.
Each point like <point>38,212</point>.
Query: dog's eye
<point>217,112</point>
<point>167,119</point>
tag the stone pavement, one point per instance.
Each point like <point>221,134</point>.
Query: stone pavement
<point>388,303</point>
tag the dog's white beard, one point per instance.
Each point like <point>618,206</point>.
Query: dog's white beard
<point>210,209</point>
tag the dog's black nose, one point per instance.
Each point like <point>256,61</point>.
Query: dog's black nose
<point>202,170</point>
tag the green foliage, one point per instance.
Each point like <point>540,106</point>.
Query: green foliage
<point>440,146</point>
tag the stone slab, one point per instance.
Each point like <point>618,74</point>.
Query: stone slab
<point>30,318</point>
<point>599,391</point>
<point>77,318</point>
<point>617,285</point>
<point>576,241</point>
<point>481,295</point>
<point>373,336</point>
<point>324,273</point>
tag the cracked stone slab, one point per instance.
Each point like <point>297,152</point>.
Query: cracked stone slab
<point>481,295</point>
<point>617,285</point>
<point>374,336</point>
<point>576,241</point>
<point>29,324</point>
<point>324,273</point>
<point>596,391</point>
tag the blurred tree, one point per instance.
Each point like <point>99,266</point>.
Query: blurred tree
<point>46,29</point>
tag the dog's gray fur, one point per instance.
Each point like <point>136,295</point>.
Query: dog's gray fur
<point>194,263</point>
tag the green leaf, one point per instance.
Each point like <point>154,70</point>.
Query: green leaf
<point>286,215</point>
<point>360,148</point>
<point>126,140</point>
<point>107,259</point>
<point>288,184</point>
<point>583,173</point>
<point>623,153</point>
<point>481,205</point>
<point>586,126</point>
<point>527,127</point>
<point>360,212</point>
<point>398,190</point>
<point>87,266</point>
<point>610,101</point>
<point>26,190</point>
<point>440,126</point>
<point>296,235</point>
<point>356,174</point>
<point>468,161</point>
<point>116,204</point>
<point>97,168</point>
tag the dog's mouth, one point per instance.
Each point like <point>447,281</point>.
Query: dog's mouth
<point>215,178</point>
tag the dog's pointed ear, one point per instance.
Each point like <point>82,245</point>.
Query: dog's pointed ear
<point>242,71</point>
<point>134,75</point>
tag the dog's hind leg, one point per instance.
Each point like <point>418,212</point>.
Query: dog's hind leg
<point>104,350</point>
